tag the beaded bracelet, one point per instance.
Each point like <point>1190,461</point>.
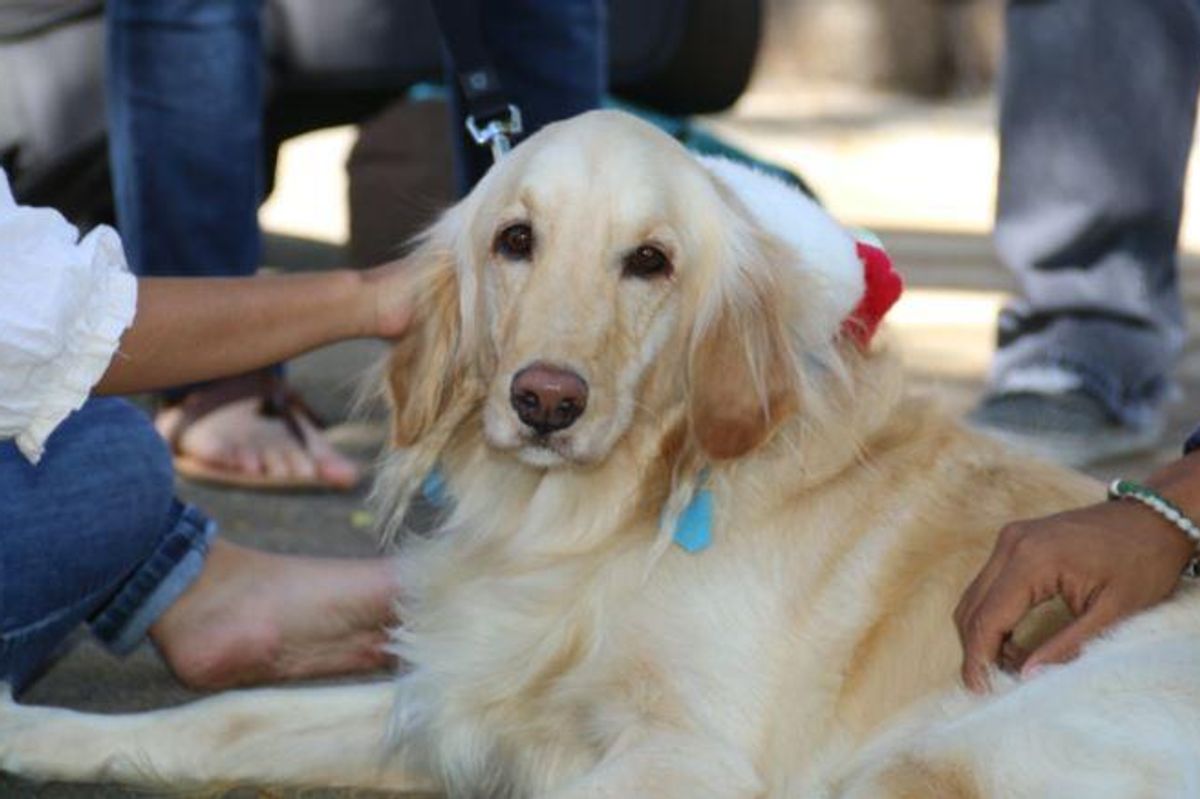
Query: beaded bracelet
<point>1127,489</point>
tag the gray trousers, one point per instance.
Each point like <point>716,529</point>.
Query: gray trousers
<point>1098,104</point>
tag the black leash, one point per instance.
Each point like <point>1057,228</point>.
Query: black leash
<point>492,120</point>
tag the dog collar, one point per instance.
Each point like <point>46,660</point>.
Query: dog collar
<point>882,287</point>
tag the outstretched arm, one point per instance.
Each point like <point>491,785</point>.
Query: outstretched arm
<point>192,329</point>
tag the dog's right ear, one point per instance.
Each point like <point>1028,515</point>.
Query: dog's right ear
<point>429,361</point>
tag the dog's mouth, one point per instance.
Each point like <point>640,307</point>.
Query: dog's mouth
<point>544,449</point>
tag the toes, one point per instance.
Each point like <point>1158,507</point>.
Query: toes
<point>285,459</point>
<point>238,437</point>
<point>277,462</point>
<point>332,467</point>
<point>246,460</point>
<point>337,471</point>
<point>374,655</point>
<point>300,464</point>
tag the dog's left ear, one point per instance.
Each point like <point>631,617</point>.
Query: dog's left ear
<point>741,370</point>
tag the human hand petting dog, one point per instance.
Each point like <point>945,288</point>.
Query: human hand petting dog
<point>387,289</point>
<point>1107,561</point>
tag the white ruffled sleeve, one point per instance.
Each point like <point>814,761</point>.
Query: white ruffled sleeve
<point>64,304</point>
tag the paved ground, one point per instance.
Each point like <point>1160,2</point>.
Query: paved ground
<point>944,325</point>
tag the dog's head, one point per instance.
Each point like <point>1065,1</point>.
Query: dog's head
<point>601,277</point>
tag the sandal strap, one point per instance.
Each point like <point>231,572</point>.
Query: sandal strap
<point>276,401</point>
<point>284,403</point>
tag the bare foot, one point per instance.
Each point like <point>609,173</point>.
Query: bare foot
<point>254,617</point>
<point>237,437</point>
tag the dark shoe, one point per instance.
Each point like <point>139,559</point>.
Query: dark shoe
<point>1072,428</point>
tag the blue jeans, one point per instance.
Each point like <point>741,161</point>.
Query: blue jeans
<point>92,534</point>
<point>185,104</point>
<point>1097,109</point>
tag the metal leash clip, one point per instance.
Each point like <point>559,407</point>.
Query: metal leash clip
<point>497,132</point>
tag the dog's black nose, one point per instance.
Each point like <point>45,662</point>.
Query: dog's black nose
<point>547,398</point>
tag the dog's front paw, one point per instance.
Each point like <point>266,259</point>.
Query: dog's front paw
<point>31,746</point>
<point>15,731</point>
<point>19,737</point>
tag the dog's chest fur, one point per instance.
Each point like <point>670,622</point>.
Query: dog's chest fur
<point>526,631</point>
<point>521,629</point>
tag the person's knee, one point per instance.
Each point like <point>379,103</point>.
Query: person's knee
<point>108,457</point>
<point>143,461</point>
<point>77,525</point>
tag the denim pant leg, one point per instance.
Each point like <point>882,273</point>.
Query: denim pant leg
<point>1097,110</point>
<point>185,106</point>
<point>552,58</point>
<point>185,103</point>
<point>92,533</point>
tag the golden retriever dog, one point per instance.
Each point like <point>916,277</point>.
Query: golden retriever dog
<point>618,339</point>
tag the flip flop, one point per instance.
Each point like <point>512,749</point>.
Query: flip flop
<point>276,401</point>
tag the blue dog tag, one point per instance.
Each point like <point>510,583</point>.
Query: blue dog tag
<point>693,531</point>
<point>433,489</point>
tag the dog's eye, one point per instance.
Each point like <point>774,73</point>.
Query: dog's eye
<point>515,242</point>
<point>647,262</point>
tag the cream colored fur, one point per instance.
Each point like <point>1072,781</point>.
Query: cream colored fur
<point>561,646</point>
